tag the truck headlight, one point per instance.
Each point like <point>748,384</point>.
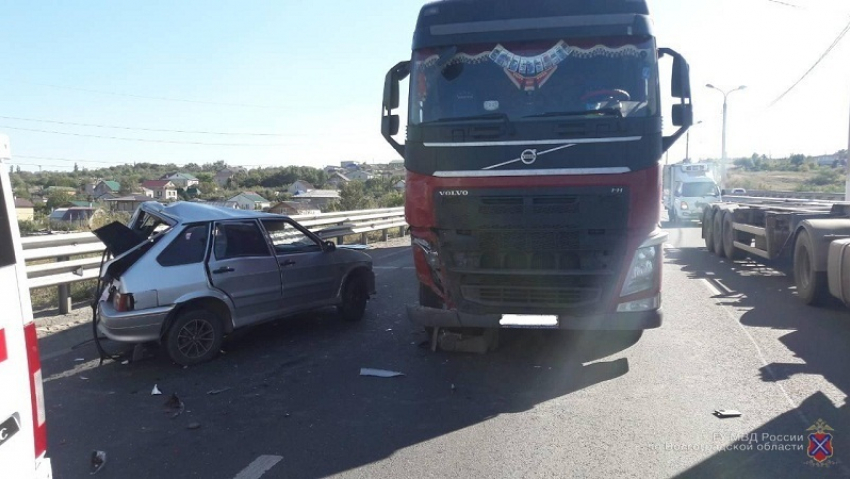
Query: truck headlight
<point>432,257</point>
<point>646,304</point>
<point>683,206</point>
<point>643,271</point>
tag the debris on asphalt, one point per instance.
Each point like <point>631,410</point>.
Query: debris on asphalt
<point>379,373</point>
<point>213,392</point>
<point>79,360</point>
<point>125,362</point>
<point>389,329</point>
<point>453,387</point>
<point>193,425</point>
<point>98,460</point>
<point>176,405</point>
<point>727,413</point>
<point>155,391</point>
<point>465,343</point>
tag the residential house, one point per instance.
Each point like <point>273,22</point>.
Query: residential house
<point>320,198</point>
<point>74,217</point>
<point>292,208</point>
<point>182,180</point>
<point>337,179</point>
<point>24,209</point>
<point>359,175</point>
<point>348,165</point>
<point>223,176</point>
<point>250,201</point>
<point>104,187</point>
<point>80,204</point>
<point>63,189</point>
<point>127,203</point>
<point>826,160</point>
<point>193,191</point>
<point>145,192</point>
<point>163,190</point>
<point>300,186</point>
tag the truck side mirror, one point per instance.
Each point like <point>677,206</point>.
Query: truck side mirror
<point>389,125</point>
<point>683,114</point>
<point>680,85</point>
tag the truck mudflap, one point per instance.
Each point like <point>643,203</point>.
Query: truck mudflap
<point>447,318</point>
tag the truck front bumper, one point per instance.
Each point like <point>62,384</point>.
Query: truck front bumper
<point>445,318</point>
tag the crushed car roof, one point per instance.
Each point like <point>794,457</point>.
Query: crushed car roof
<point>188,212</point>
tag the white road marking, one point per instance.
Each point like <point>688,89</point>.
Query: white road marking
<point>260,466</point>
<point>711,288</point>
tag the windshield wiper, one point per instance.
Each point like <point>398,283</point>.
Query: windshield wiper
<point>602,112</point>
<point>487,116</point>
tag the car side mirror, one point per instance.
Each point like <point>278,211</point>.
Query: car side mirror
<point>329,246</point>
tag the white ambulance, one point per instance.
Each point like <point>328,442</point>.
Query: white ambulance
<point>23,433</point>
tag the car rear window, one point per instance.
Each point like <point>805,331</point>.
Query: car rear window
<point>189,247</point>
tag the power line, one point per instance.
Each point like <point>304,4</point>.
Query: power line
<point>145,97</point>
<point>93,125</point>
<point>143,140</point>
<point>827,52</point>
<point>65,159</point>
<point>785,3</point>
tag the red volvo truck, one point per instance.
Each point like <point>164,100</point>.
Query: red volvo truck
<point>533,147</point>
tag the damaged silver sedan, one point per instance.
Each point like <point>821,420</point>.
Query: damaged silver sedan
<point>187,274</point>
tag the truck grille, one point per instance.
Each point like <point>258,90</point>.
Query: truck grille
<point>507,251</point>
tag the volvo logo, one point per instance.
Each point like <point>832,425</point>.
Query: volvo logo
<point>528,156</point>
<point>454,193</point>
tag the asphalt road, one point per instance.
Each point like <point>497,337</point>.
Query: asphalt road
<point>545,404</point>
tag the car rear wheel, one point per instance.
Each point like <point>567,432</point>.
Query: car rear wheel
<point>354,297</point>
<point>195,337</point>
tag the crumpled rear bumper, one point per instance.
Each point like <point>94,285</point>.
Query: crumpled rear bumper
<point>446,318</point>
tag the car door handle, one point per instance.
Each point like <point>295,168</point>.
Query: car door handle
<point>288,262</point>
<point>224,269</point>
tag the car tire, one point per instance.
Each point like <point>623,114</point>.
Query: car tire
<point>354,297</point>
<point>194,337</point>
<point>812,286</point>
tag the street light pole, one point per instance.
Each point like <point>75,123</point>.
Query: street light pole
<point>724,159</point>
<point>688,142</point>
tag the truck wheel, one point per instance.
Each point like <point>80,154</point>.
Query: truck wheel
<point>672,216</point>
<point>708,230</point>
<point>729,237</point>
<point>717,234</point>
<point>354,297</point>
<point>811,285</point>
<point>195,337</point>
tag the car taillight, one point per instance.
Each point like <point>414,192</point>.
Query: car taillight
<point>39,425</point>
<point>122,302</point>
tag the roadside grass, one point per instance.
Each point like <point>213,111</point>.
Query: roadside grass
<point>821,180</point>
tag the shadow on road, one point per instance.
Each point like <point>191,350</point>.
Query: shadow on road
<point>292,388</point>
<point>818,337</point>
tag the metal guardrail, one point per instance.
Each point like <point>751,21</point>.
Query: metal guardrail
<point>66,249</point>
<point>797,195</point>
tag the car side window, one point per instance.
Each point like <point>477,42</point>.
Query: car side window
<point>188,247</point>
<point>286,238</point>
<point>7,249</point>
<point>238,240</point>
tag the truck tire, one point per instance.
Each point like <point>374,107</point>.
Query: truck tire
<point>707,230</point>
<point>672,216</point>
<point>729,237</point>
<point>717,234</point>
<point>812,286</point>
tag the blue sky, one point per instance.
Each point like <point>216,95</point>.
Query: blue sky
<point>312,73</point>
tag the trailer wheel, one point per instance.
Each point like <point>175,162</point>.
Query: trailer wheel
<point>707,230</point>
<point>729,238</point>
<point>811,285</point>
<point>717,234</point>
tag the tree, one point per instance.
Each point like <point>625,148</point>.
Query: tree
<point>797,160</point>
<point>76,168</point>
<point>352,196</point>
<point>58,198</point>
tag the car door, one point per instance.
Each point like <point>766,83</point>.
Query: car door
<point>309,273</point>
<point>242,265</point>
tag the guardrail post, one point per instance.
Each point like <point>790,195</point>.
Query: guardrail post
<point>64,292</point>
<point>364,238</point>
<point>401,231</point>
<point>385,235</point>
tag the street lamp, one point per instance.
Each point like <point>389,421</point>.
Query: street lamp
<point>688,141</point>
<point>724,158</point>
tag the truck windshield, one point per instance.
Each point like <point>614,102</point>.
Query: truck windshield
<point>702,188</point>
<point>535,80</point>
